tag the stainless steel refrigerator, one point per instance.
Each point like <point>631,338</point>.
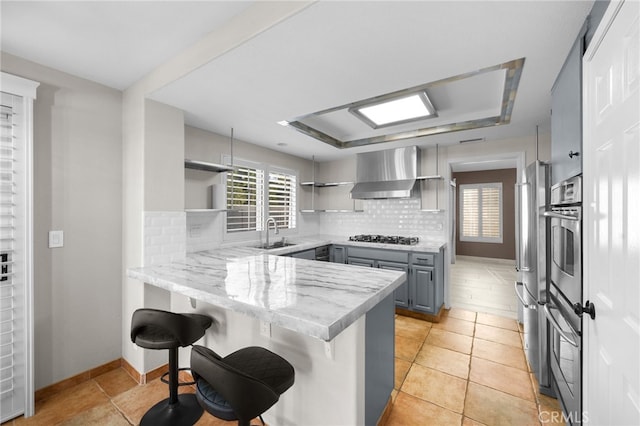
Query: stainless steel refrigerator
<point>532,257</point>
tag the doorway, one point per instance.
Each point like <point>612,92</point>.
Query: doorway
<point>482,272</point>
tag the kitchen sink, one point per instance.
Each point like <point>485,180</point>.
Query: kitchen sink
<point>278,244</point>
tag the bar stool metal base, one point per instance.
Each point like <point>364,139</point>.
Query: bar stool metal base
<point>185,412</point>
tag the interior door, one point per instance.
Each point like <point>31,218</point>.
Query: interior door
<point>611,225</point>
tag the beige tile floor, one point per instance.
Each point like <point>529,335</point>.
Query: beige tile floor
<point>484,285</point>
<point>469,369</point>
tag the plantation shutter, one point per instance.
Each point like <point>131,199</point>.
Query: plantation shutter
<point>245,199</point>
<point>282,199</point>
<point>481,212</point>
<point>7,290</point>
<point>491,227</point>
<point>470,208</point>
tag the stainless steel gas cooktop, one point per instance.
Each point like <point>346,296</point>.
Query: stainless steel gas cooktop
<point>385,239</point>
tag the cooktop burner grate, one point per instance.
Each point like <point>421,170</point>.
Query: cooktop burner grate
<point>385,239</point>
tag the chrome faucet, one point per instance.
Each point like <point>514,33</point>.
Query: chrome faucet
<point>269,220</point>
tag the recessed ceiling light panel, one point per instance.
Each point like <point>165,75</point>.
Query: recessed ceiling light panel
<point>372,111</point>
<point>399,110</point>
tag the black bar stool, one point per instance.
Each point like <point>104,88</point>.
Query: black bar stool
<point>242,385</point>
<point>156,329</point>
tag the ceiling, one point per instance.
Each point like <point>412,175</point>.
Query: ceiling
<point>329,54</point>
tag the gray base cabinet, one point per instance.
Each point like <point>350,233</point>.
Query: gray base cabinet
<point>337,254</point>
<point>424,294</point>
<point>424,290</point>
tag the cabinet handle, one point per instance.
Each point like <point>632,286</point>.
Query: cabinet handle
<point>573,154</point>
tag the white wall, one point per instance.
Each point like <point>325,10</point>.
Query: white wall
<point>153,172</point>
<point>77,189</point>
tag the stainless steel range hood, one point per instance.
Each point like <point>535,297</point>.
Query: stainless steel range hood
<point>386,174</point>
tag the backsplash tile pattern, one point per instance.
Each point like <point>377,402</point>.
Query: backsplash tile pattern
<point>387,217</point>
<point>205,230</point>
<point>169,235</point>
<point>164,236</point>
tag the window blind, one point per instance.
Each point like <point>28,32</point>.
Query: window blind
<point>282,199</point>
<point>245,199</point>
<point>7,247</point>
<point>481,212</point>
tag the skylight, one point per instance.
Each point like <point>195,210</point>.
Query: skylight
<point>416,106</point>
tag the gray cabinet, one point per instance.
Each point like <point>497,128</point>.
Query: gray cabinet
<point>566,116</point>
<point>338,254</point>
<point>361,262</point>
<point>424,294</point>
<point>305,254</point>
<point>424,289</point>
<point>401,294</point>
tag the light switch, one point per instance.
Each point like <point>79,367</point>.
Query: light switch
<point>56,239</point>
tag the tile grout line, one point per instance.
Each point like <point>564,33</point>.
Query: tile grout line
<point>466,390</point>
<point>103,390</point>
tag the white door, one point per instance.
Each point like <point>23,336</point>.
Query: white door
<point>612,219</point>
<point>16,259</point>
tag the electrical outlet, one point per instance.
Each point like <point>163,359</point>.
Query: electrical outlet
<point>195,231</point>
<point>265,328</point>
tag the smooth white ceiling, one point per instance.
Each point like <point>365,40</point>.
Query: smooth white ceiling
<point>329,54</point>
<point>111,42</point>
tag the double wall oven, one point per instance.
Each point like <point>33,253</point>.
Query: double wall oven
<point>564,295</point>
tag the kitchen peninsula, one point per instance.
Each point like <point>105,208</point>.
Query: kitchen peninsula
<point>333,322</point>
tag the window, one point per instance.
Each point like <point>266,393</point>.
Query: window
<point>481,213</point>
<point>251,198</point>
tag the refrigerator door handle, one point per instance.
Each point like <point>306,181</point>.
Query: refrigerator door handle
<point>519,249</point>
<point>524,304</point>
<point>518,227</point>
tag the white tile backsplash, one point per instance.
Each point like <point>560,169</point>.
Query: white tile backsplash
<point>387,217</point>
<point>204,230</point>
<point>169,235</point>
<point>164,237</point>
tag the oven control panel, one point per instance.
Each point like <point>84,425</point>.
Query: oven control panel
<point>567,192</point>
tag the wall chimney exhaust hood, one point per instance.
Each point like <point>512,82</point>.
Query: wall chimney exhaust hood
<point>390,173</point>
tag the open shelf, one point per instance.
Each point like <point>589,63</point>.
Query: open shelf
<point>205,210</point>
<point>330,211</point>
<point>206,166</point>
<point>324,184</point>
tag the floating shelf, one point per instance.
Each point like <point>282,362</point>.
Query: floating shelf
<point>324,184</point>
<point>206,210</point>
<point>206,166</point>
<point>331,211</point>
